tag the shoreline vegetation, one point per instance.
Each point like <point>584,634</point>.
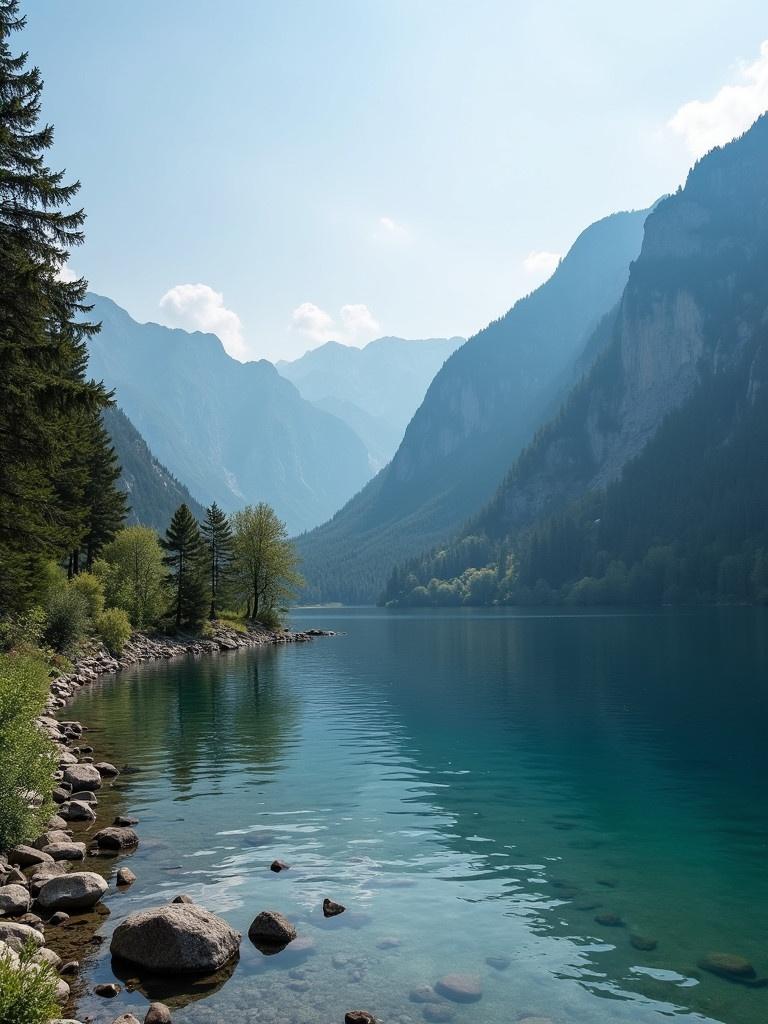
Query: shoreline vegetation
<point>53,877</point>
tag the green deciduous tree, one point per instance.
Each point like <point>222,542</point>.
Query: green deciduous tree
<point>184,556</point>
<point>266,563</point>
<point>217,535</point>
<point>134,576</point>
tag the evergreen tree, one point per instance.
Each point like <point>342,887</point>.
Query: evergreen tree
<point>105,502</point>
<point>185,552</point>
<point>217,534</point>
<point>43,384</point>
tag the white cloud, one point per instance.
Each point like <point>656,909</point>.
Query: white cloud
<point>541,263</point>
<point>66,274</point>
<point>355,326</point>
<point>197,307</point>
<point>707,123</point>
<point>388,230</point>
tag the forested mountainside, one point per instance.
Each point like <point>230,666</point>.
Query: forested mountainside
<point>651,484</point>
<point>152,493</point>
<point>480,410</point>
<point>375,389</point>
<point>236,433</point>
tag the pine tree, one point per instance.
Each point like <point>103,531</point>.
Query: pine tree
<point>217,534</point>
<point>185,552</point>
<point>106,503</point>
<point>43,358</point>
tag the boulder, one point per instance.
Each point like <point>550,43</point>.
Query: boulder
<point>270,927</point>
<point>76,810</point>
<point>82,776</point>
<point>14,900</point>
<point>179,938</point>
<point>59,918</point>
<point>125,1018</point>
<point>85,796</point>
<point>13,932</point>
<point>47,956</point>
<point>28,856</point>
<point>158,1013</point>
<point>66,851</point>
<point>115,838</point>
<point>359,1017</point>
<point>104,768</point>
<point>461,988</point>
<point>77,890</point>
<point>125,877</point>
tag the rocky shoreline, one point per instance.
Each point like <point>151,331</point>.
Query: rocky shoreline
<point>42,889</point>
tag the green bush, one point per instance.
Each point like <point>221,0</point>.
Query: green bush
<point>27,756</point>
<point>27,990</point>
<point>66,619</point>
<point>22,631</point>
<point>90,587</point>
<point>114,628</point>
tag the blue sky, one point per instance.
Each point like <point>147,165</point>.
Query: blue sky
<point>286,172</point>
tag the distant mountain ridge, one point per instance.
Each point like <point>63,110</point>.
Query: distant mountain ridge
<point>153,493</point>
<point>375,389</point>
<point>651,483</point>
<point>232,432</point>
<point>479,412</point>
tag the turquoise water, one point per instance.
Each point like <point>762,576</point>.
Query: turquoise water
<point>470,785</point>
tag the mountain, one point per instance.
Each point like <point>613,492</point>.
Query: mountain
<point>651,484</point>
<point>480,410</point>
<point>153,493</point>
<point>375,389</point>
<point>233,432</point>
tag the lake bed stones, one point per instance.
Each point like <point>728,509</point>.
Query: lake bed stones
<point>460,988</point>
<point>729,966</point>
<point>178,938</point>
<point>609,920</point>
<point>643,942</point>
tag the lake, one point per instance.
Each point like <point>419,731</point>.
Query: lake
<point>476,787</point>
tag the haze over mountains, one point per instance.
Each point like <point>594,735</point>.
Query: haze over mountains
<point>651,483</point>
<point>375,389</point>
<point>480,410</point>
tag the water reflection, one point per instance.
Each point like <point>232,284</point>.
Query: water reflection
<point>477,789</point>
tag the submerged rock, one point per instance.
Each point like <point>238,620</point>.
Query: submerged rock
<point>728,965</point>
<point>461,988</point>
<point>109,990</point>
<point>279,865</point>
<point>437,1013</point>
<point>359,1017</point>
<point>179,938</point>
<point>609,920</point>
<point>498,963</point>
<point>643,943</point>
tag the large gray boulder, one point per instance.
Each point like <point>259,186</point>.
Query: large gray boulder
<point>15,933</point>
<point>114,838</point>
<point>28,856</point>
<point>14,900</point>
<point>77,890</point>
<point>82,776</point>
<point>179,938</point>
<point>76,810</point>
<point>66,851</point>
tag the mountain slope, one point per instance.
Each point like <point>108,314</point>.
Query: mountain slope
<point>481,408</point>
<point>153,493</point>
<point>651,483</point>
<point>375,389</point>
<point>237,433</point>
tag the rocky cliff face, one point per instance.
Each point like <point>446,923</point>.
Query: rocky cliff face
<point>694,304</point>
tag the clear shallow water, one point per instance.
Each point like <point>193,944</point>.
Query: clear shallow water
<point>466,783</point>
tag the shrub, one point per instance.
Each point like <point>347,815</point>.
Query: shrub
<point>22,631</point>
<point>66,619</point>
<point>114,628</point>
<point>27,989</point>
<point>27,756</point>
<point>90,587</point>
